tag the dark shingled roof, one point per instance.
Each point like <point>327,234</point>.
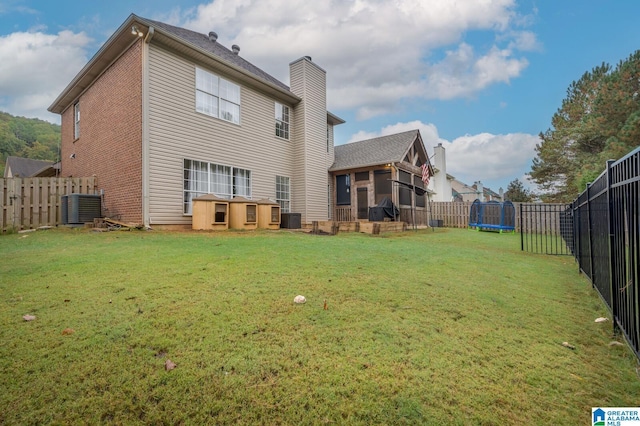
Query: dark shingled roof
<point>25,167</point>
<point>202,41</point>
<point>382,150</point>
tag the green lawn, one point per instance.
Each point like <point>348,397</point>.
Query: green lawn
<point>445,327</point>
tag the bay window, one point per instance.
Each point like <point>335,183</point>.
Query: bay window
<point>202,178</point>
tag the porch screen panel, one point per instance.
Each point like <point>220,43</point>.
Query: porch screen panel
<point>403,191</point>
<point>363,203</point>
<point>420,199</point>
<point>382,183</point>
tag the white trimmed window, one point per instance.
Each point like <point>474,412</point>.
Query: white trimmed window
<point>202,178</point>
<point>282,121</point>
<point>241,183</point>
<point>283,193</point>
<point>76,120</point>
<point>217,97</point>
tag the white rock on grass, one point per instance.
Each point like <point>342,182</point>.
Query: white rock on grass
<point>299,299</point>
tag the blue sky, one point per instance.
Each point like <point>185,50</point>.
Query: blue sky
<point>481,77</point>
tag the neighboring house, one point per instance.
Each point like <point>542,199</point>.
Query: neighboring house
<point>445,187</point>
<point>490,195</point>
<point>27,167</point>
<point>366,172</point>
<point>477,191</point>
<point>162,114</point>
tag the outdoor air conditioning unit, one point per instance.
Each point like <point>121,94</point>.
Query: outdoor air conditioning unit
<point>291,220</point>
<point>80,208</point>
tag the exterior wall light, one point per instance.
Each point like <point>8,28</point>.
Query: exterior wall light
<point>136,31</point>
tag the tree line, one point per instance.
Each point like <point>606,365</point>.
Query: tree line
<point>28,138</point>
<point>598,120</point>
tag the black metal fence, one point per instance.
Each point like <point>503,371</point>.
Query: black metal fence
<point>606,241</point>
<point>546,228</point>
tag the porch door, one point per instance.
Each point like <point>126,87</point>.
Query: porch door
<point>363,203</point>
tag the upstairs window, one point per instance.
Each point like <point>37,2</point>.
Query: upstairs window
<point>282,121</point>
<point>76,120</point>
<point>217,97</point>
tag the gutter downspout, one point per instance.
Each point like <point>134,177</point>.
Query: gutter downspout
<point>145,128</point>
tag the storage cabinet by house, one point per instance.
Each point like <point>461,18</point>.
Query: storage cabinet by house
<point>243,213</point>
<point>268,214</point>
<point>210,213</point>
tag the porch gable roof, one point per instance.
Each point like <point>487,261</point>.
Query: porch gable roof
<point>373,152</point>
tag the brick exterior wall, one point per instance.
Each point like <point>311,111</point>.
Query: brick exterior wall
<point>110,142</point>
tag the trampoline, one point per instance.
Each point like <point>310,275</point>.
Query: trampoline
<point>492,216</point>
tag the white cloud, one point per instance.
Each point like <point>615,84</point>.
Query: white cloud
<point>462,73</point>
<point>428,131</point>
<point>376,52</point>
<point>525,41</point>
<point>490,157</point>
<point>493,159</point>
<point>35,67</point>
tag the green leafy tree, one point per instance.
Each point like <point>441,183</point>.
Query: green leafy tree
<point>27,137</point>
<point>598,120</point>
<point>562,148</point>
<point>516,192</point>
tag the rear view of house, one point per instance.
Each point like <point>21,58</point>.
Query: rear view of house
<point>162,115</point>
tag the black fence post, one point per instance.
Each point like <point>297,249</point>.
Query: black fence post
<point>612,246</point>
<point>521,230</point>
<point>590,235</point>
<point>577,234</point>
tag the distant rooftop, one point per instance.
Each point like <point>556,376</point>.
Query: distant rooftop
<point>24,167</point>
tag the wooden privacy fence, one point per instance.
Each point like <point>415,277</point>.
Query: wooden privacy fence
<point>28,203</point>
<point>452,214</point>
<point>456,215</point>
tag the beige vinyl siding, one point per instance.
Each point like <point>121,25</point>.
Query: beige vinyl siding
<point>297,183</point>
<point>310,179</point>
<point>330,160</point>
<point>177,131</point>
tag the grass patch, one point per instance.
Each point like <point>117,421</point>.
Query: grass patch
<point>445,327</point>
